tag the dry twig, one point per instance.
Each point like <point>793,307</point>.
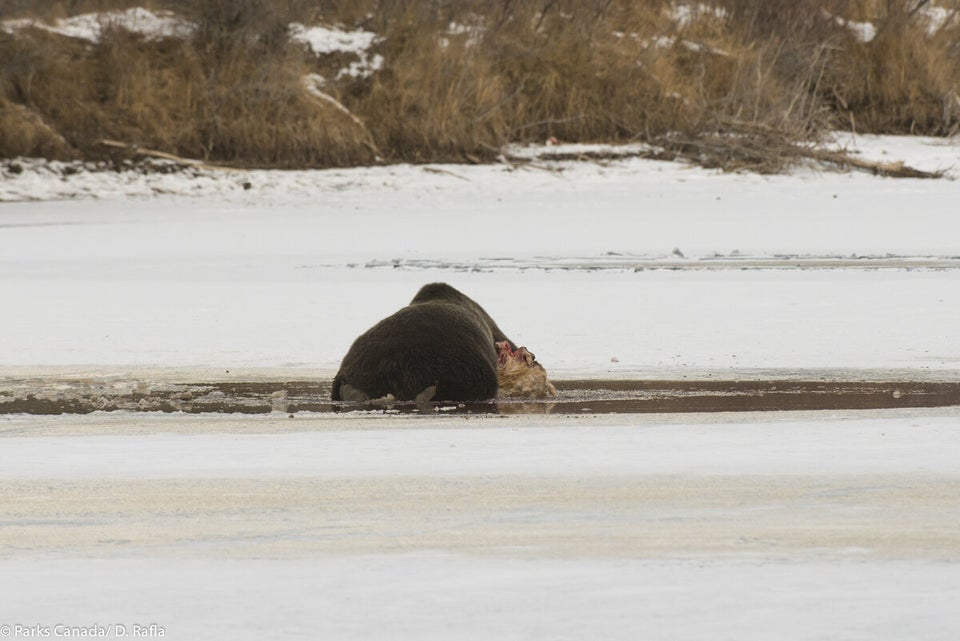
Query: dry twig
<point>137,150</point>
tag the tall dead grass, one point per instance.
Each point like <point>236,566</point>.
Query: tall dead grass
<point>461,79</point>
<point>233,93</point>
<point>495,72</point>
<point>907,79</point>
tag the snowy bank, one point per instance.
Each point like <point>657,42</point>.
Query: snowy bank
<point>791,526</point>
<point>796,526</point>
<point>34,179</point>
<point>622,268</point>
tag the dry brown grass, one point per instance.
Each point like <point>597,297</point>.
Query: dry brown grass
<point>24,133</point>
<point>907,79</point>
<point>763,74</point>
<point>904,80</point>
<point>578,71</point>
<point>532,71</point>
<point>232,94</point>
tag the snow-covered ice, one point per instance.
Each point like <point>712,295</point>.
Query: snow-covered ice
<point>401,447</point>
<point>778,525</point>
<point>654,264</point>
<point>438,597</point>
<point>794,527</point>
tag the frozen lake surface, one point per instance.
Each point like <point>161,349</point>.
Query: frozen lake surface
<point>748,526</point>
<point>300,521</point>
<point>636,268</point>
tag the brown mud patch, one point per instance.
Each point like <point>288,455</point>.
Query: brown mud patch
<point>83,396</point>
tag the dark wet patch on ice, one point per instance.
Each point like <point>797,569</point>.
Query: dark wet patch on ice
<point>574,397</point>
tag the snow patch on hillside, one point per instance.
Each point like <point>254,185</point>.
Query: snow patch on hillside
<point>323,40</point>
<point>89,26</point>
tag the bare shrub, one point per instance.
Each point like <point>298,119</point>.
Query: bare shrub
<point>32,67</point>
<point>24,133</point>
<point>878,66</point>
<point>906,79</point>
<point>527,72</point>
<point>232,94</point>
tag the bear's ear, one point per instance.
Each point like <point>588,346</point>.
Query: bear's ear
<point>439,291</point>
<point>426,395</point>
<point>352,394</point>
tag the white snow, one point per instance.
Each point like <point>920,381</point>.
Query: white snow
<point>362,68</point>
<point>437,597</point>
<point>788,526</point>
<point>162,23</point>
<point>665,42</point>
<point>320,39</point>
<point>685,14</point>
<point>791,526</point>
<point>937,17</point>
<point>325,40</point>
<point>471,30</point>
<point>927,154</point>
<point>559,447</point>
<point>655,264</point>
<point>864,31</point>
<point>87,26</point>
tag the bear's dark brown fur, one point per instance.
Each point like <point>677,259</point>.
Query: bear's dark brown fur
<point>440,347</point>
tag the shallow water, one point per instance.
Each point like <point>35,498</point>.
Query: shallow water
<point>82,396</point>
